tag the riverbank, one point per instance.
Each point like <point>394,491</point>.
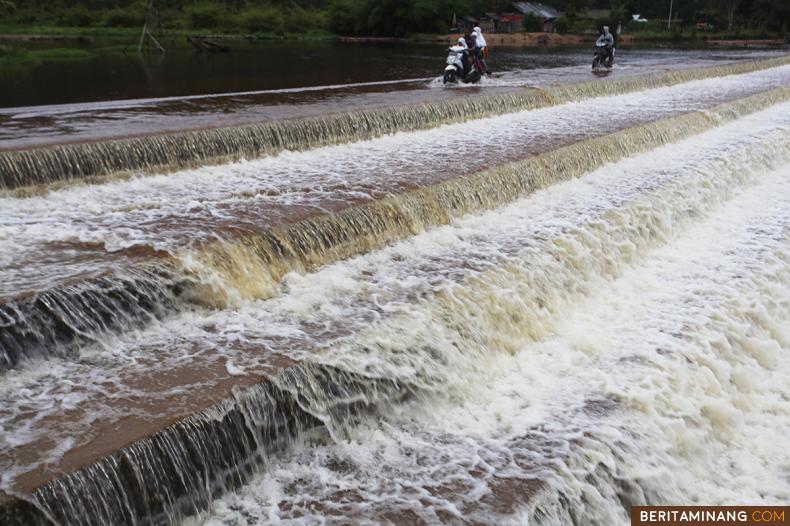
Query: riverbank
<point>748,43</point>
<point>24,48</point>
<point>557,39</point>
<point>57,33</point>
<point>738,38</point>
<point>493,39</point>
<point>536,39</point>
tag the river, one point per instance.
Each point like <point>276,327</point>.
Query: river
<point>118,95</point>
<point>569,299</point>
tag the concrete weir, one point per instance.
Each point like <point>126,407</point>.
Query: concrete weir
<point>159,471</point>
<point>98,160</point>
<point>177,470</point>
<point>56,322</point>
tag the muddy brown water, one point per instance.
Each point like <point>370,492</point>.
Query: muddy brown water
<point>119,95</point>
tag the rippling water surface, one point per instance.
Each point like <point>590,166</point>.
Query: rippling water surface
<point>122,95</point>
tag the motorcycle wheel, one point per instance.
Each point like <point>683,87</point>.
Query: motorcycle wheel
<point>595,63</point>
<point>473,77</point>
<point>449,76</point>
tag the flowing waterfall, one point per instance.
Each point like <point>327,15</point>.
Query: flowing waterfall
<point>686,375</point>
<point>458,317</point>
<point>57,321</point>
<point>92,161</point>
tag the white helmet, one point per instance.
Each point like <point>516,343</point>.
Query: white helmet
<point>461,41</point>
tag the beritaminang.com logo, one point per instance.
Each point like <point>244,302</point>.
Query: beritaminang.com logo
<point>710,515</point>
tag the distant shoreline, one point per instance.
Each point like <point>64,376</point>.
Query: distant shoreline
<point>538,39</point>
<point>71,36</point>
<point>557,39</point>
<point>493,39</point>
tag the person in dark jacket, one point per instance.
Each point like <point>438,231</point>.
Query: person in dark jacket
<point>474,49</point>
<point>607,40</point>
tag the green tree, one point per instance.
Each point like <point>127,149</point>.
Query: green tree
<point>262,19</point>
<point>563,24</point>
<point>7,7</point>
<point>532,24</point>
<point>768,15</point>
<point>205,15</point>
<point>344,16</point>
<point>728,8</point>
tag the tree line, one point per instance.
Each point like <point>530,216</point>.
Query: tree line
<point>375,17</point>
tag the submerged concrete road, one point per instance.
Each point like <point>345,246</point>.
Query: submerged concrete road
<point>26,127</point>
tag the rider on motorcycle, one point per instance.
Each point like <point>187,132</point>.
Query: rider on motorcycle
<point>459,62</point>
<point>465,56</point>
<point>607,40</point>
<point>474,38</point>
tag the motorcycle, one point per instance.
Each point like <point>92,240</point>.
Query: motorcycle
<point>455,67</point>
<point>600,57</point>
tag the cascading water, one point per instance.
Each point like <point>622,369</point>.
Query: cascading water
<point>548,340</point>
<point>56,322</point>
<point>647,390</point>
<point>63,163</point>
<point>562,396</point>
<point>222,273</point>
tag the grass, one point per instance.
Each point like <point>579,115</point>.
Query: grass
<point>131,34</point>
<point>24,55</point>
<point>15,57</point>
<point>96,32</point>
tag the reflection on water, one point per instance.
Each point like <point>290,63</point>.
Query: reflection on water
<point>265,81</point>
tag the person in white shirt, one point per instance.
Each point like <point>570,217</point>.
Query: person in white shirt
<point>481,48</point>
<point>481,41</point>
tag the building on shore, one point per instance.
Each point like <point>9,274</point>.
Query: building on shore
<point>512,19</point>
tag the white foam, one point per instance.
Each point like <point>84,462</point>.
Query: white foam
<point>433,292</point>
<point>656,348</point>
<point>165,211</point>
